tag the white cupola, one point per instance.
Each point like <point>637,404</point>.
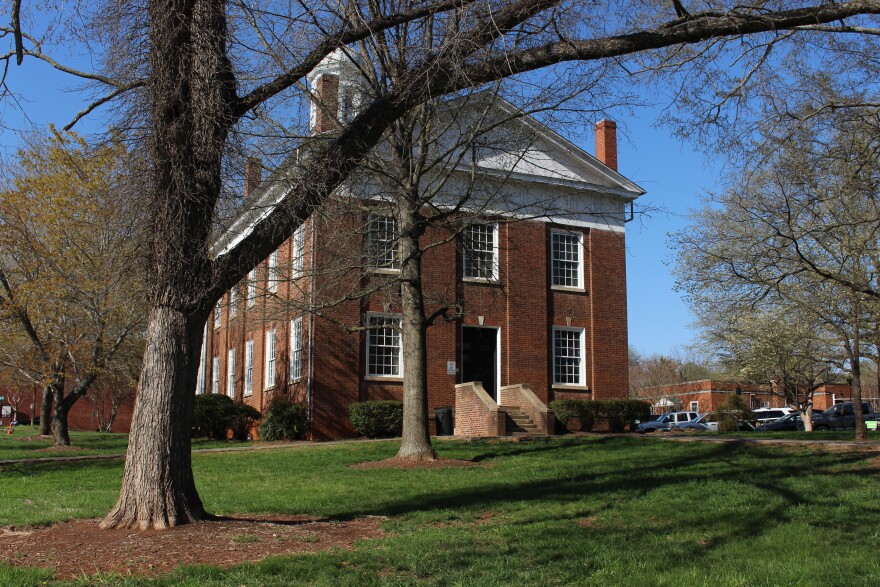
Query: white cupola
<point>336,91</point>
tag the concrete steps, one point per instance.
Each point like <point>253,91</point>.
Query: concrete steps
<point>518,424</point>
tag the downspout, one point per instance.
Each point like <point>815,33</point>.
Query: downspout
<point>311,322</point>
<point>632,212</point>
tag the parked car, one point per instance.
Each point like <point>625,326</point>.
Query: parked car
<point>790,422</point>
<point>689,426</point>
<point>766,415</point>
<point>710,420</point>
<point>841,416</point>
<point>664,421</point>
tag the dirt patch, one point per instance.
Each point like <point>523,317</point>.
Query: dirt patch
<point>80,547</point>
<point>34,437</point>
<point>396,463</point>
<point>63,448</point>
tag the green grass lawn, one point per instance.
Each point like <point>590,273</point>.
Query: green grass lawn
<point>26,444</point>
<point>564,511</point>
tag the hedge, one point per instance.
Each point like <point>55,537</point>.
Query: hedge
<point>618,412</point>
<point>377,419</point>
<point>215,414</point>
<point>284,420</point>
<point>211,416</point>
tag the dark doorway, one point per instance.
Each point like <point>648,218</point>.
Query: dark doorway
<point>479,360</point>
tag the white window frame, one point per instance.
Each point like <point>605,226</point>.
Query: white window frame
<point>269,359</point>
<point>230,372</point>
<point>296,348</point>
<point>369,352</point>
<point>248,368</point>
<point>273,273</point>
<point>554,234</point>
<point>251,288</point>
<point>372,260</point>
<point>582,371</point>
<point>233,302</point>
<point>694,406</point>
<point>467,250</point>
<point>215,375</point>
<point>203,359</point>
<point>218,314</point>
<point>299,253</point>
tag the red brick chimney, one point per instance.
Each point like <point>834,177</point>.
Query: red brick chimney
<point>606,143</point>
<point>253,175</point>
<point>327,108</point>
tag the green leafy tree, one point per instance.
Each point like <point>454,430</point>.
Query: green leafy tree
<point>71,289</point>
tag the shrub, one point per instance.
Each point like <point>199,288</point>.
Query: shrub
<point>242,420</point>
<point>617,412</point>
<point>731,413</point>
<point>211,416</point>
<point>566,409</point>
<point>377,419</point>
<point>284,420</point>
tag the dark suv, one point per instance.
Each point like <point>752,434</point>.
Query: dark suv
<point>841,416</point>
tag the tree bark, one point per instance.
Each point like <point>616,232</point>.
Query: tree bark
<point>46,411</point>
<point>192,88</point>
<point>415,443</point>
<point>158,489</point>
<point>856,372</point>
<point>60,430</point>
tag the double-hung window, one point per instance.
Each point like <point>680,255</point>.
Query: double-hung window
<point>269,379</point>
<point>233,302</point>
<point>566,259</point>
<point>384,348</point>
<point>230,373</point>
<point>215,375</point>
<point>251,287</point>
<point>480,243</point>
<point>273,271</point>
<point>218,314</point>
<point>568,356</point>
<point>382,242</point>
<point>299,244</point>
<point>296,348</point>
<point>248,367</point>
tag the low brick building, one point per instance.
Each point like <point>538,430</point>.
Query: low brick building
<point>708,395</point>
<point>538,301</point>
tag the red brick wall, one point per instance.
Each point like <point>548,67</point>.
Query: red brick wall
<point>609,343</point>
<point>476,414</point>
<point>522,304</point>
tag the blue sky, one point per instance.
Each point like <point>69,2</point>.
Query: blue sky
<point>673,173</point>
<point>675,177</point>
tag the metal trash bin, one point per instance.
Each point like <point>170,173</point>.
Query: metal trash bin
<point>444,421</point>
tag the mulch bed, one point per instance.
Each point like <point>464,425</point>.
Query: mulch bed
<point>80,547</point>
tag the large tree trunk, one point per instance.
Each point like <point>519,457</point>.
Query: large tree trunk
<point>158,490</point>
<point>59,416</point>
<point>46,411</point>
<point>191,88</point>
<point>856,371</point>
<point>416,441</point>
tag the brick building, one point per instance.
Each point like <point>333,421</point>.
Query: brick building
<point>708,394</point>
<point>539,301</point>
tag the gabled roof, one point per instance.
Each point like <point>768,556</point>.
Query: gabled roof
<point>546,158</point>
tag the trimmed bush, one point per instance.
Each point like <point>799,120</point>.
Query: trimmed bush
<point>618,412</point>
<point>211,416</point>
<point>584,410</point>
<point>284,420</point>
<point>377,419</point>
<point>242,420</point>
